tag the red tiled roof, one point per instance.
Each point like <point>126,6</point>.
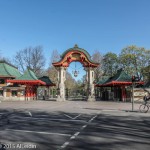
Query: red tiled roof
<point>32,82</point>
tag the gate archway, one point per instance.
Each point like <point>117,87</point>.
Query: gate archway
<point>79,55</point>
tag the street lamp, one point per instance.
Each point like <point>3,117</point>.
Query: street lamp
<point>135,78</point>
<point>75,72</point>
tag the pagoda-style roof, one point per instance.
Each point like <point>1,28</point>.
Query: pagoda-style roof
<point>27,78</point>
<point>47,80</point>
<point>76,54</point>
<point>102,81</point>
<point>120,78</point>
<point>77,49</point>
<point>8,70</point>
<point>28,75</point>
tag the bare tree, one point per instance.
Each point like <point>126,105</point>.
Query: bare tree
<point>97,57</point>
<point>4,58</point>
<point>70,82</point>
<point>0,55</point>
<point>52,74</point>
<point>51,71</point>
<point>55,57</point>
<point>38,59</point>
<point>32,57</point>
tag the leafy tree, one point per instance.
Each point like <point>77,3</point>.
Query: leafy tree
<point>147,58</point>
<point>32,57</point>
<point>146,73</point>
<point>133,59</point>
<point>110,64</point>
<point>146,70</point>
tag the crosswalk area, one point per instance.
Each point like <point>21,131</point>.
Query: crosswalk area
<point>73,126</point>
<point>43,129</point>
<point>73,130</point>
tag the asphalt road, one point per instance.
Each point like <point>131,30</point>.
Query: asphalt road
<point>73,126</point>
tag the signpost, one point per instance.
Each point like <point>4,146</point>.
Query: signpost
<point>132,96</point>
<point>134,80</point>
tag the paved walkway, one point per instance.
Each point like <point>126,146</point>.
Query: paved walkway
<point>70,105</point>
<point>73,125</point>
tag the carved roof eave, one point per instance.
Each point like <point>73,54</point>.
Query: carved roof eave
<point>26,82</point>
<point>68,58</point>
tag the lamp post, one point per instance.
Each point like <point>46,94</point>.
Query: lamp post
<point>135,78</point>
<point>149,69</point>
<point>75,72</point>
<point>132,93</point>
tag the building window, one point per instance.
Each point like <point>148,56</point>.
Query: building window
<point>1,92</point>
<point>2,81</point>
<point>14,93</point>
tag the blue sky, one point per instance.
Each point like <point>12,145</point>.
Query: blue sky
<point>104,25</point>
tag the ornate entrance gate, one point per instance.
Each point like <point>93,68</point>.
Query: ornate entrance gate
<point>82,56</point>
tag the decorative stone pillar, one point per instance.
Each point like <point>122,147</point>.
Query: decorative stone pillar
<point>90,86</point>
<point>61,84</point>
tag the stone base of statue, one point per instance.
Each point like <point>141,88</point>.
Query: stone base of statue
<point>59,99</point>
<point>91,99</point>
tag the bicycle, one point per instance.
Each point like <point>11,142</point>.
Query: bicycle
<point>145,106</point>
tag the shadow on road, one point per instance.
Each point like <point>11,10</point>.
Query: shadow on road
<point>49,131</point>
<point>108,132</point>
